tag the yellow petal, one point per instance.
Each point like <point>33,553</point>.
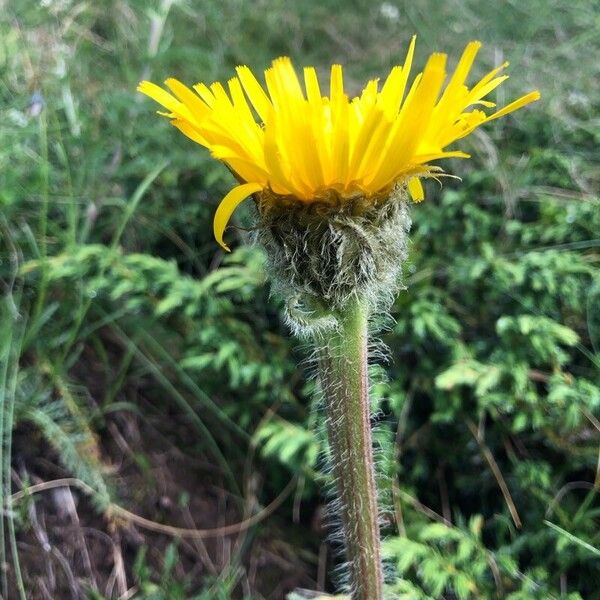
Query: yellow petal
<point>239,100</point>
<point>288,77</point>
<point>524,100</point>
<point>255,92</point>
<point>425,158</point>
<point>244,169</point>
<point>311,83</point>
<point>409,55</point>
<point>197,107</point>
<point>159,95</point>
<point>415,188</point>
<point>394,92</point>
<point>190,131</point>
<point>222,100</point>
<point>487,78</point>
<point>479,91</point>
<point>228,206</point>
<point>464,64</point>
<point>336,86</point>
<point>202,90</point>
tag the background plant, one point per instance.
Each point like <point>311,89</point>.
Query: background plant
<point>139,360</point>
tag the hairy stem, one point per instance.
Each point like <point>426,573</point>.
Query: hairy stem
<point>344,380</point>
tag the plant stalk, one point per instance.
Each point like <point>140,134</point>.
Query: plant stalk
<point>343,375</point>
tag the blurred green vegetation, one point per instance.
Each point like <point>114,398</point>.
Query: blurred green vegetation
<point>152,370</point>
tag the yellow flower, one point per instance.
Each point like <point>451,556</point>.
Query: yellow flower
<point>297,142</point>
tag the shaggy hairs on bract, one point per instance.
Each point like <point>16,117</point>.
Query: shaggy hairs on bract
<point>322,253</point>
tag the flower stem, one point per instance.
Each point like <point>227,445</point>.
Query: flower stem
<point>343,374</point>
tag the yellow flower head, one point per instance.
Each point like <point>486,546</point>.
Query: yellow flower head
<point>291,140</point>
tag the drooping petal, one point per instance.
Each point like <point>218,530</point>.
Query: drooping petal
<point>228,206</point>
